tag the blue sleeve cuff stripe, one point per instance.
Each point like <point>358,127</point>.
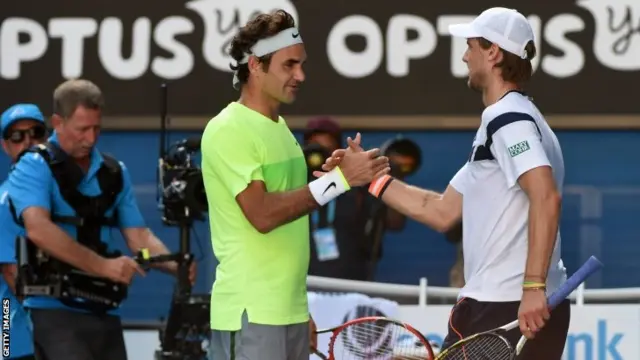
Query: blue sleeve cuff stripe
<point>483,152</point>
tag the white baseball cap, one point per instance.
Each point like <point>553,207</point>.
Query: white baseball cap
<point>507,28</point>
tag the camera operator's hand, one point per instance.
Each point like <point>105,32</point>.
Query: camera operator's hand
<point>121,269</point>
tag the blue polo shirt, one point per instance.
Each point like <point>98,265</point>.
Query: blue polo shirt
<point>21,341</point>
<point>31,183</point>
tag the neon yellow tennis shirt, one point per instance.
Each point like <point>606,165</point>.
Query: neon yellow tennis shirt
<point>264,274</point>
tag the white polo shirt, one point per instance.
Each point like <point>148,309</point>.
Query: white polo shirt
<point>495,210</point>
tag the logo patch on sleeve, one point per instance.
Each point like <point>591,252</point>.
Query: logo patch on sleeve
<point>519,148</point>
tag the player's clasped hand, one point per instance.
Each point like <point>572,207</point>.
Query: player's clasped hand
<point>533,312</point>
<point>121,269</point>
<point>358,166</point>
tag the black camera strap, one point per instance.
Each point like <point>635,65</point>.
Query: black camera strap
<point>90,211</point>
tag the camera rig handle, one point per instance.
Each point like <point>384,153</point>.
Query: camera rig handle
<point>184,260</point>
<point>145,259</point>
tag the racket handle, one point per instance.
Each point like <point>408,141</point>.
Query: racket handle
<point>591,266</point>
<point>520,345</point>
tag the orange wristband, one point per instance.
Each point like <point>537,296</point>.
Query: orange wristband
<point>379,185</point>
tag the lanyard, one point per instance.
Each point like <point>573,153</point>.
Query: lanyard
<point>331,215</point>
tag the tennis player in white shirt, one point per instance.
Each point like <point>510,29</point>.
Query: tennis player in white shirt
<point>508,195</point>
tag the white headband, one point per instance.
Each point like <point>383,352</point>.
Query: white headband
<point>281,40</point>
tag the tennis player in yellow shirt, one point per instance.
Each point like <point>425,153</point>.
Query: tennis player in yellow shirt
<point>255,178</point>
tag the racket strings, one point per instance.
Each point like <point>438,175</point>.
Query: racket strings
<point>481,347</point>
<point>379,340</point>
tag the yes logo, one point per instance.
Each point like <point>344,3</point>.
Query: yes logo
<point>616,43</point>
<point>222,20</point>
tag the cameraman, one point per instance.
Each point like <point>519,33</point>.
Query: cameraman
<point>21,125</point>
<point>346,234</point>
<point>63,331</point>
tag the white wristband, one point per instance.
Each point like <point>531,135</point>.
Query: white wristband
<point>329,186</point>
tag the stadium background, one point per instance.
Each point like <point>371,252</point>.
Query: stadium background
<point>408,79</point>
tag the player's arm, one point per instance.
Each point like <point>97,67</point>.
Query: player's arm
<point>268,210</point>
<point>30,191</point>
<point>544,218</point>
<point>522,158</point>
<point>438,211</point>
<point>133,227</point>
<point>236,161</point>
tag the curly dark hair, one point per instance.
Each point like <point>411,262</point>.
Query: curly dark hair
<point>260,27</point>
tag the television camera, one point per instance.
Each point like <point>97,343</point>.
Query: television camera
<point>404,156</point>
<point>183,196</point>
<point>182,200</point>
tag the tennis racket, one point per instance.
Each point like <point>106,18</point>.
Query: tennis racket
<point>376,337</point>
<point>492,345</point>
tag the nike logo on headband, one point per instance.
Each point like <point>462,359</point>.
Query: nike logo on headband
<point>295,35</point>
